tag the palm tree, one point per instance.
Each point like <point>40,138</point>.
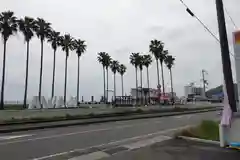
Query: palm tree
<point>162,57</point>
<point>8,26</point>
<point>67,45</point>
<point>141,77</point>
<point>80,48</point>
<point>134,60</point>
<point>147,60</point>
<point>114,67</point>
<point>42,30</point>
<point>27,26</point>
<point>101,59</point>
<point>108,61</point>
<point>169,61</point>
<point>122,70</point>
<point>156,48</point>
<point>54,39</point>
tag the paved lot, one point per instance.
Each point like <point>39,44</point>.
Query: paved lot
<point>178,150</point>
<point>47,143</point>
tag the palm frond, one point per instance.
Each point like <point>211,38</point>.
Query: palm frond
<point>156,48</point>
<point>43,28</point>
<point>26,26</point>
<point>114,66</point>
<point>134,59</point>
<point>147,60</point>
<point>80,47</point>
<point>122,69</point>
<point>54,38</point>
<point>67,43</point>
<point>141,62</point>
<point>104,59</point>
<point>8,24</point>
<point>169,61</point>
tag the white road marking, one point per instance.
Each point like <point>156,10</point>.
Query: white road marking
<point>113,142</point>
<point>92,156</point>
<point>184,116</point>
<point>14,137</point>
<point>147,142</point>
<point>178,117</point>
<point>54,136</point>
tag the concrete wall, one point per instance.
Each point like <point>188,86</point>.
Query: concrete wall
<point>233,134</point>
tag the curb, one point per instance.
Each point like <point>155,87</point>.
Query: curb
<point>199,140</point>
<point>24,127</point>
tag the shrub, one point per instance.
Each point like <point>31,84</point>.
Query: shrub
<point>206,130</point>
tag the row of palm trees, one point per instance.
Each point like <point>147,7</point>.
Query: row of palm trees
<point>138,61</point>
<point>29,27</point>
<point>107,62</point>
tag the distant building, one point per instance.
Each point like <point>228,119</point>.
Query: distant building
<point>193,91</point>
<point>154,93</point>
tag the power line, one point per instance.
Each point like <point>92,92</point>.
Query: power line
<point>230,17</point>
<point>201,22</point>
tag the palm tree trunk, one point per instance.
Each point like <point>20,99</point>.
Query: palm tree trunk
<point>40,81</point>
<point>141,87</point>
<point>104,85</point>
<point>26,78</point>
<point>148,86</point>
<point>54,67</point>
<point>171,86</point>
<point>107,86</point>
<point>162,78</point>
<point>78,70</point>
<point>65,85</point>
<point>3,75</point>
<point>136,87</point>
<point>122,86</point>
<point>159,91</point>
<point>114,85</point>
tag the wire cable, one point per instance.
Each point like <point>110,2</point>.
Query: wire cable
<point>230,17</point>
<point>201,22</point>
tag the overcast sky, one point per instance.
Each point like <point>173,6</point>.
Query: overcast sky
<point>118,27</point>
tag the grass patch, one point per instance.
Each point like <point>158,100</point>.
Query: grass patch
<point>208,130</point>
<point>13,107</point>
<point>68,116</point>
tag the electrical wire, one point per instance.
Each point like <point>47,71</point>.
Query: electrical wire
<point>230,17</point>
<point>201,22</point>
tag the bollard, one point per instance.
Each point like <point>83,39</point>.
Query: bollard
<point>223,135</point>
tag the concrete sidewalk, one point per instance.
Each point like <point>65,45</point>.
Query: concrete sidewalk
<point>178,149</point>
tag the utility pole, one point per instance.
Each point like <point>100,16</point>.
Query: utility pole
<point>226,62</point>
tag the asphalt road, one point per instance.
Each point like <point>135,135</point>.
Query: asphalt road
<point>41,144</point>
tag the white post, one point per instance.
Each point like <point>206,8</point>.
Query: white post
<point>222,135</point>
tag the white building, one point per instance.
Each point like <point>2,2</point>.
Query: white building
<point>193,91</point>
<point>153,93</point>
